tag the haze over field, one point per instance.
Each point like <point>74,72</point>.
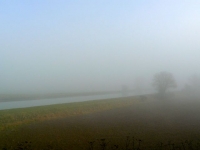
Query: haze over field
<point>80,46</point>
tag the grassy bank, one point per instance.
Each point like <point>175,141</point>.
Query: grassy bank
<point>13,118</point>
<point>127,123</point>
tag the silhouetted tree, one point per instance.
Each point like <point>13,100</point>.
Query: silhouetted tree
<point>163,81</point>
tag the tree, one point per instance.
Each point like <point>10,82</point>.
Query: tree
<point>162,82</point>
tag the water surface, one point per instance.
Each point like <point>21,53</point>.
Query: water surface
<point>43,102</point>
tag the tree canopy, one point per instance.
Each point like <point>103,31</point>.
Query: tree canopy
<point>163,81</point>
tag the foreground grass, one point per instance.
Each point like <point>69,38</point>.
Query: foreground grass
<point>105,124</point>
<point>129,143</point>
<point>13,118</point>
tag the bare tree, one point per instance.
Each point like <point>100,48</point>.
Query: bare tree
<point>163,81</point>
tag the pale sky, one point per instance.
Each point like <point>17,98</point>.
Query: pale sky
<point>67,46</point>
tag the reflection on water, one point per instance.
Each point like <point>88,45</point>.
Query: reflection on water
<point>42,102</point>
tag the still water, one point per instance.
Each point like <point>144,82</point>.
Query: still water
<point>42,102</point>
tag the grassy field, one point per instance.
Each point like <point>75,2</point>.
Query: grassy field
<point>104,124</point>
<point>13,118</point>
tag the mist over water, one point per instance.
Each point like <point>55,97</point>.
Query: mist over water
<point>129,69</point>
<point>64,47</point>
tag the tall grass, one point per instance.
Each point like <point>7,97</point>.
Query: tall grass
<point>130,143</point>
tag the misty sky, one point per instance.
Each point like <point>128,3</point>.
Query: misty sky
<point>66,46</point>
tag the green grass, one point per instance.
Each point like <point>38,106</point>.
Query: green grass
<point>160,124</point>
<point>13,118</point>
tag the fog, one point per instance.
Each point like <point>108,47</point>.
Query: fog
<point>86,46</point>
